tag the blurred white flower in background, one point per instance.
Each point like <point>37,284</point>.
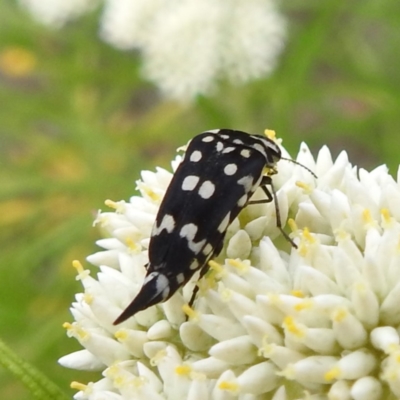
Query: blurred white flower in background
<point>270,321</point>
<point>56,13</point>
<point>128,24</point>
<point>188,46</point>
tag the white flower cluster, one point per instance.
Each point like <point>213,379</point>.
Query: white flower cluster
<point>187,45</point>
<point>270,321</point>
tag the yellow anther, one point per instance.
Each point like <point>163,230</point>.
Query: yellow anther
<point>340,314</point>
<point>112,371</point>
<point>302,185</point>
<point>304,305</point>
<point>78,266</point>
<point>67,325</point>
<point>229,386</point>
<point>211,276</point>
<point>366,214</point>
<point>207,283</point>
<point>270,134</point>
<point>82,273</point>
<point>387,220</point>
<point>192,314</point>
<point>119,206</point>
<point>306,240</point>
<point>240,265</point>
<point>148,191</point>
<point>183,369</point>
<point>111,204</point>
<point>307,236</point>
<point>132,245</point>
<point>78,386</point>
<point>367,217</point>
<point>270,171</point>
<point>334,373</point>
<point>215,266</point>
<point>153,196</point>
<point>292,225</point>
<point>274,299</point>
<point>290,324</point>
<point>119,381</point>
<point>76,331</point>
<point>297,293</point>
<point>121,334</point>
<point>386,215</point>
<point>302,249</point>
<point>88,298</point>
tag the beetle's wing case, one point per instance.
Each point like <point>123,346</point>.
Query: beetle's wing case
<point>219,173</point>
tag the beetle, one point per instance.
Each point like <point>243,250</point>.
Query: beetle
<point>219,173</point>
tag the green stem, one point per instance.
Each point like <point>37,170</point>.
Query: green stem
<point>37,383</point>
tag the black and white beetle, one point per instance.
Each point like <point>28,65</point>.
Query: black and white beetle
<point>220,171</point>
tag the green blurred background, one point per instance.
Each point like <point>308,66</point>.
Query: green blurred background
<point>78,123</point>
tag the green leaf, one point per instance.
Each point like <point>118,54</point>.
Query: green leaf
<point>37,383</point>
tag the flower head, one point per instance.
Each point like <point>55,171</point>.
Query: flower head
<point>57,12</point>
<point>188,46</point>
<point>269,320</point>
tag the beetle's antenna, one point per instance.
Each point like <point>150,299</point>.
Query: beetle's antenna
<point>301,165</point>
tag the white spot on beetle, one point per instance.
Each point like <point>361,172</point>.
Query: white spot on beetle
<point>196,156</point>
<point>194,265</point>
<point>207,249</point>
<point>230,169</point>
<point>224,223</point>
<point>228,150</point>
<point>188,231</point>
<point>207,189</point>
<point>167,223</point>
<point>180,278</point>
<point>207,139</point>
<point>259,147</point>
<point>242,201</point>
<point>220,146</point>
<point>161,284</point>
<point>190,182</point>
<point>196,247</point>
<point>247,182</point>
<point>245,153</point>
